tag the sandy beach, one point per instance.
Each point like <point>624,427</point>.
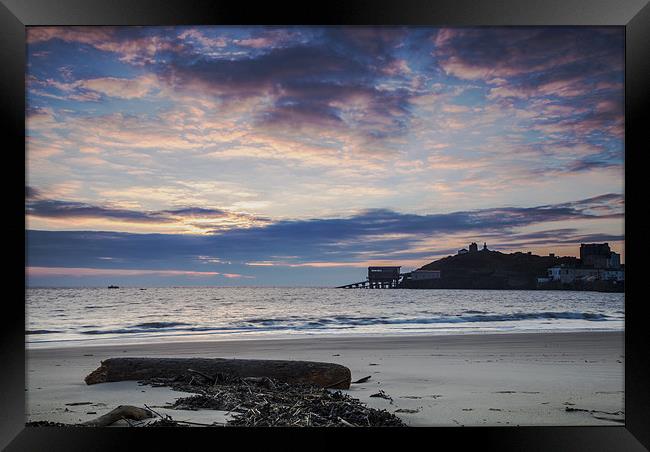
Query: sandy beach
<point>481,379</point>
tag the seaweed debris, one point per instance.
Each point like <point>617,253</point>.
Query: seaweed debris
<point>265,402</point>
<point>260,402</point>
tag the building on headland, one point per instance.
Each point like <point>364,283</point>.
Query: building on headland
<point>473,248</point>
<point>554,273</point>
<point>599,255</point>
<point>598,268</point>
<point>385,277</point>
<point>612,275</point>
<point>569,275</point>
<point>594,254</point>
<point>597,263</point>
<point>614,260</point>
<point>383,274</point>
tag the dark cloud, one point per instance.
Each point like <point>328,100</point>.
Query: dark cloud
<point>589,164</point>
<point>366,235</point>
<point>255,75</point>
<point>539,55</point>
<point>298,113</point>
<point>48,208</point>
<point>31,192</point>
<point>577,69</point>
<point>38,206</point>
<point>374,42</point>
<point>310,84</point>
<point>196,211</point>
<point>580,165</point>
<point>135,45</point>
<point>591,238</point>
<point>604,206</point>
<point>554,236</point>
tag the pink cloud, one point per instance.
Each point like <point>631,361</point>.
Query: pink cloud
<point>445,35</point>
<point>397,67</point>
<point>268,39</point>
<point>121,87</point>
<point>202,39</point>
<point>452,108</point>
<point>82,35</point>
<point>139,51</point>
<point>461,69</point>
<point>256,43</point>
<point>508,91</point>
<point>135,51</point>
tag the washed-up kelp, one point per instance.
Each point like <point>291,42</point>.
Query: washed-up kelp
<point>250,402</point>
<point>265,402</point>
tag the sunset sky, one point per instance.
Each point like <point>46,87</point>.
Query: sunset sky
<point>299,156</point>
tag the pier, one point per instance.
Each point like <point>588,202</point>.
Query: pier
<point>378,278</point>
<point>371,285</point>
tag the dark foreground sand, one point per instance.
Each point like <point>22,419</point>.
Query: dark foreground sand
<point>496,379</point>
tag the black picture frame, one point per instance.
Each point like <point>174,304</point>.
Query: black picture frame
<point>634,15</point>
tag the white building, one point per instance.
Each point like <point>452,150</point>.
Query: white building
<point>614,260</point>
<point>554,273</point>
<point>612,275</point>
<point>570,274</point>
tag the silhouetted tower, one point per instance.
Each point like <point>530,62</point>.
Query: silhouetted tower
<point>596,255</point>
<point>485,246</point>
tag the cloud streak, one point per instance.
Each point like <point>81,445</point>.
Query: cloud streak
<point>373,234</point>
<point>200,218</point>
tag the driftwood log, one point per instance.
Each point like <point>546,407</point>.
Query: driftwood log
<point>326,375</point>
<point>121,412</point>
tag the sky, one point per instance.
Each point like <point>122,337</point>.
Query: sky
<point>298,156</point>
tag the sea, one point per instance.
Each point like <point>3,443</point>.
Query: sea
<point>92,316</point>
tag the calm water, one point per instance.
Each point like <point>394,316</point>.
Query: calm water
<point>131,315</point>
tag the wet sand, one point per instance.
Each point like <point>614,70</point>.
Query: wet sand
<point>481,379</point>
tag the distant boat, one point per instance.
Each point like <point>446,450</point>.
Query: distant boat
<point>113,287</point>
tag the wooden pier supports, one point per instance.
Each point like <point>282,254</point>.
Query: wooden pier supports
<point>394,284</point>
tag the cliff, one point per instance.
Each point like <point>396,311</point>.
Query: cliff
<point>489,270</point>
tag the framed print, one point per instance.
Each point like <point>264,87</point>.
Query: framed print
<point>370,221</point>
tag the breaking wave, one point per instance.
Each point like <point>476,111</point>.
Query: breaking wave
<point>41,331</point>
<point>483,317</point>
<point>340,322</point>
<point>96,315</point>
